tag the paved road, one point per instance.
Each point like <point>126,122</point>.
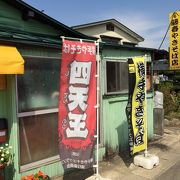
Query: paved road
<point>167,148</point>
<point>172,173</point>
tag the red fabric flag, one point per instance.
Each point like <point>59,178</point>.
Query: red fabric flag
<point>77,115</point>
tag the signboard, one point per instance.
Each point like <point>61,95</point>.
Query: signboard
<point>77,114</point>
<point>174,41</point>
<point>136,107</point>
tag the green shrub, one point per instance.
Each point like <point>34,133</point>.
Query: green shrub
<point>171,98</point>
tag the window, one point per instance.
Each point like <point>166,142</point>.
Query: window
<point>37,109</point>
<point>110,27</point>
<point>116,76</point>
<point>110,40</point>
<point>38,137</point>
<point>129,44</point>
<point>37,85</point>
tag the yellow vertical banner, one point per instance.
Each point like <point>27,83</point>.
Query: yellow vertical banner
<point>139,106</point>
<point>174,55</point>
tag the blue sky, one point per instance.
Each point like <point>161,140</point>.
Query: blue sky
<point>149,19</point>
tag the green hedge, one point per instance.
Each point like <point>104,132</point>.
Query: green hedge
<point>171,97</point>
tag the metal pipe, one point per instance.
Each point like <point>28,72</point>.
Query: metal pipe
<point>146,127</point>
<point>97,112</point>
<point>70,38</point>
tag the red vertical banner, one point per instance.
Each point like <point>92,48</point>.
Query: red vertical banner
<point>77,115</point>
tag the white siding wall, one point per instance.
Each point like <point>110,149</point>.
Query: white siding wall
<point>98,30</point>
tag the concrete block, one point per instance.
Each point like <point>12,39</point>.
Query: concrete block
<point>158,115</point>
<point>147,162</point>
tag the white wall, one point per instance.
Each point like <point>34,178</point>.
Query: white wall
<point>98,30</point>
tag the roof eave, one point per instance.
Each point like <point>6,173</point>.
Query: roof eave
<point>117,23</point>
<point>43,17</point>
<point>127,30</point>
<point>128,47</point>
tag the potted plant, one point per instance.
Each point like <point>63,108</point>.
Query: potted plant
<point>5,155</point>
<point>37,176</point>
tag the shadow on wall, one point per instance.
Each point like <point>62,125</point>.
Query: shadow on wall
<point>122,131</point>
<point>122,144</point>
<point>10,171</point>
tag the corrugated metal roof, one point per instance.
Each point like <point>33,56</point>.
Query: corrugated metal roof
<point>42,17</point>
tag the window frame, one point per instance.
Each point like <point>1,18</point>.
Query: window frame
<point>53,159</point>
<point>34,58</point>
<point>46,161</point>
<point>119,60</point>
<point>109,59</point>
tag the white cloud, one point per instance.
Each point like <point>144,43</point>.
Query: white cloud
<point>152,30</point>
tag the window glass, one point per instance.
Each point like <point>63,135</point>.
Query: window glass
<point>129,44</point>
<point>110,27</point>
<point>111,40</point>
<point>38,137</point>
<point>117,76</point>
<point>38,88</point>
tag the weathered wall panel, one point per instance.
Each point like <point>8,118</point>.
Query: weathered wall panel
<point>115,125</point>
<point>115,122</point>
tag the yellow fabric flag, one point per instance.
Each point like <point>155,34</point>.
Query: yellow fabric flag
<point>139,106</point>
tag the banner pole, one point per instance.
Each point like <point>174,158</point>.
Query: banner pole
<point>145,63</point>
<point>97,112</point>
<point>77,39</point>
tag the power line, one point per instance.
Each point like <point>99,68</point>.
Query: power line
<point>167,30</point>
<point>164,36</point>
